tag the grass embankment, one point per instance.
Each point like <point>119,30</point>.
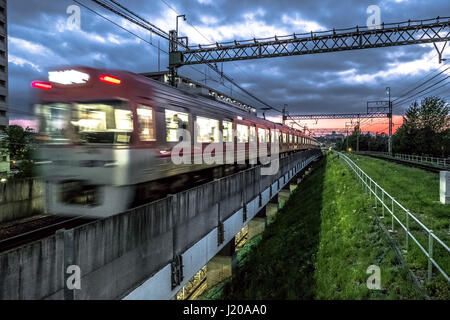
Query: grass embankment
<point>320,246</point>
<point>418,191</point>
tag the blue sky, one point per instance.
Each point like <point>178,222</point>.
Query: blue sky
<point>39,39</point>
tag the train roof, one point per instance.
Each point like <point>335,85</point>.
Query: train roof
<point>155,79</point>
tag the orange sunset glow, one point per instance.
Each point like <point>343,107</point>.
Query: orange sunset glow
<point>367,125</point>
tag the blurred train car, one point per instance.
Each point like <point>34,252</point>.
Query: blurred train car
<point>106,137</point>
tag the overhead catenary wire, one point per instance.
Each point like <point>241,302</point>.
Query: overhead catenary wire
<point>164,35</point>
<point>136,35</point>
<point>421,84</point>
<point>417,93</point>
<point>396,103</point>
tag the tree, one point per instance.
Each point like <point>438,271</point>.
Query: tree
<point>19,143</point>
<point>367,142</point>
<point>425,129</point>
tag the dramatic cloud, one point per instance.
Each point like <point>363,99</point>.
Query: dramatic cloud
<point>40,38</point>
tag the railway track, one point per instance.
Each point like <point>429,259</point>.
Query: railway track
<point>408,163</point>
<point>21,233</point>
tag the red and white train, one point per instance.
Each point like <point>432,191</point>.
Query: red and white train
<point>106,137</point>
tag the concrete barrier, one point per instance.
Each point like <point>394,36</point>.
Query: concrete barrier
<point>444,187</point>
<point>152,245</point>
<point>21,199</point>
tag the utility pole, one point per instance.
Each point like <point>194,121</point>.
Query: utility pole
<point>357,135</point>
<point>159,57</point>
<point>388,91</point>
<point>174,54</point>
<point>346,139</point>
<point>284,113</point>
<point>173,47</point>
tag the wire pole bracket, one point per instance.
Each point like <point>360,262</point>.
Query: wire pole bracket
<point>440,52</point>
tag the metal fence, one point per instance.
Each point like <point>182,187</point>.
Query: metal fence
<point>402,216</point>
<point>443,163</point>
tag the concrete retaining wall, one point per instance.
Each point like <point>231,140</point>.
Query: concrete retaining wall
<point>21,199</point>
<point>120,253</point>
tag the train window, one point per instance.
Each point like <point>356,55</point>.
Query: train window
<point>267,131</point>
<point>94,122</point>
<point>124,120</point>
<point>146,123</point>
<point>53,119</point>
<point>290,138</point>
<point>262,135</point>
<point>242,133</point>
<point>252,133</point>
<point>227,131</point>
<point>207,130</point>
<point>98,117</point>
<point>284,138</point>
<point>275,136</point>
<point>176,122</point>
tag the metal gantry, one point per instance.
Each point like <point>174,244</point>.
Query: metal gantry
<point>383,107</point>
<point>322,116</point>
<point>386,35</point>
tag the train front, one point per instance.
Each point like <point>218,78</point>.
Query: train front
<point>85,129</point>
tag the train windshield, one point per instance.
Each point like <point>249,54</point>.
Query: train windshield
<point>85,122</point>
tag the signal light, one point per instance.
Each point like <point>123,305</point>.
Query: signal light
<point>110,79</point>
<point>41,85</point>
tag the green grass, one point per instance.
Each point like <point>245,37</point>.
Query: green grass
<point>320,246</point>
<point>418,191</point>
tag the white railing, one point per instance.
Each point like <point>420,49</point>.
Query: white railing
<point>388,203</point>
<point>443,163</point>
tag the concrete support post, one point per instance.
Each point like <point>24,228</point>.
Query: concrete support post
<point>444,187</point>
<point>271,210</point>
<point>222,265</point>
<point>274,199</point>
<point>257,225</point>
<point>287,186</point>
<point>284,194</point>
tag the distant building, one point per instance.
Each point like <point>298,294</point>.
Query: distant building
<point>4,116</point>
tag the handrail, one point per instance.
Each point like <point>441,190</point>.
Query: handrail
<point>372,187</point>
<point>443,163</point>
